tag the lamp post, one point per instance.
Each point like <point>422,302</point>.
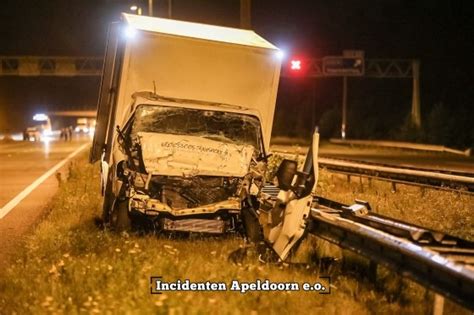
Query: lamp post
<point>150,7</point>
<point>245,14</point>
<point>170,6</point>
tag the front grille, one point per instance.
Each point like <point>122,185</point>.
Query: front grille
<point>182,193</point>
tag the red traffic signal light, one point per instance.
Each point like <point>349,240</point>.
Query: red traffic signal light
<point>296,67</point>
<point>295,64</point>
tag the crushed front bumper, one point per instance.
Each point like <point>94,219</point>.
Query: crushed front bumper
<point>215,218</point>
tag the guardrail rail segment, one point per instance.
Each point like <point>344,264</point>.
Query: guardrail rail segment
<point>450,180</point>
<point>445,180</point>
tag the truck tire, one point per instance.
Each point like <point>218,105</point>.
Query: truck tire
<point>252,229</point>
<point>119,217</point>
<point>107,202</point>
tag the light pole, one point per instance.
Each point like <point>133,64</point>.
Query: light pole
<point>245,14</point>
<point>415,103</point>
<point>150,7</point>
<point>344,108</point>
<point>170,7</point>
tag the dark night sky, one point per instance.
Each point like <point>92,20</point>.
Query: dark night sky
<point>439,33</point>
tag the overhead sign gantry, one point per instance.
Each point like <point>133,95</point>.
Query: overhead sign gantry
<point>352,63</point>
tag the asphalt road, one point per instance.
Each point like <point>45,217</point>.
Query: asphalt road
<point>23,194</point>
<point>393,157</point>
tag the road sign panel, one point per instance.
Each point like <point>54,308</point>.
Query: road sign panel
<point>343,66</point>
<point>353,53</point>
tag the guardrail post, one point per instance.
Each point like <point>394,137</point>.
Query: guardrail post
<point>373,271</point>
<point>394,187</point>
<point>422,191</point>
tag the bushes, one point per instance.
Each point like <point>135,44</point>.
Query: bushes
<point>329,124</point>
<point>441,125</point>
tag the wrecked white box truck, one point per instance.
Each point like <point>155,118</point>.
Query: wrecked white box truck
<point>184,120</point>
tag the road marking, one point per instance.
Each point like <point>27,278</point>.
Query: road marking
<point>18,198</point>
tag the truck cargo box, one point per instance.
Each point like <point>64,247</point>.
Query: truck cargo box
<point>188,61</point>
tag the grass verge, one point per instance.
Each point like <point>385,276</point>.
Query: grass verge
<point>71,266</point>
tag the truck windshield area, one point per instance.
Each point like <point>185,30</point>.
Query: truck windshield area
<point>216,125</point>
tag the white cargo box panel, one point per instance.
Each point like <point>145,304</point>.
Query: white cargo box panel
<point>199,62</point>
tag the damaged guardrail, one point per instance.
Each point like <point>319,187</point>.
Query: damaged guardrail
<point>436,260</point>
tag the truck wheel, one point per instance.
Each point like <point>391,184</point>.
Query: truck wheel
<point>252,227</point>
<point>119,217</point>
<point>107,203</point>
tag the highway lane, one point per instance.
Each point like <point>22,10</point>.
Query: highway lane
<point>393,157</point>
<point>22,164</point>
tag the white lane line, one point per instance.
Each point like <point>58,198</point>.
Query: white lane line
<point>15,201</point>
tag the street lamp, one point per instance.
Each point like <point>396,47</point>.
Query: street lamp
<point>137,9</point>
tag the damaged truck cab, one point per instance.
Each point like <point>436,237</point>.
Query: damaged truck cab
<point>185,159</point>
<point>183,122</point>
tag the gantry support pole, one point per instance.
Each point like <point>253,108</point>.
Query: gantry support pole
<point>415,102</point>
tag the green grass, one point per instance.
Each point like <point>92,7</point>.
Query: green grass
<point>71,266</point>
<point>446,211</point>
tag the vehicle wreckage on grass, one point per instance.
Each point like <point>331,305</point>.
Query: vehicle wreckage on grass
<point>184,120</point>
